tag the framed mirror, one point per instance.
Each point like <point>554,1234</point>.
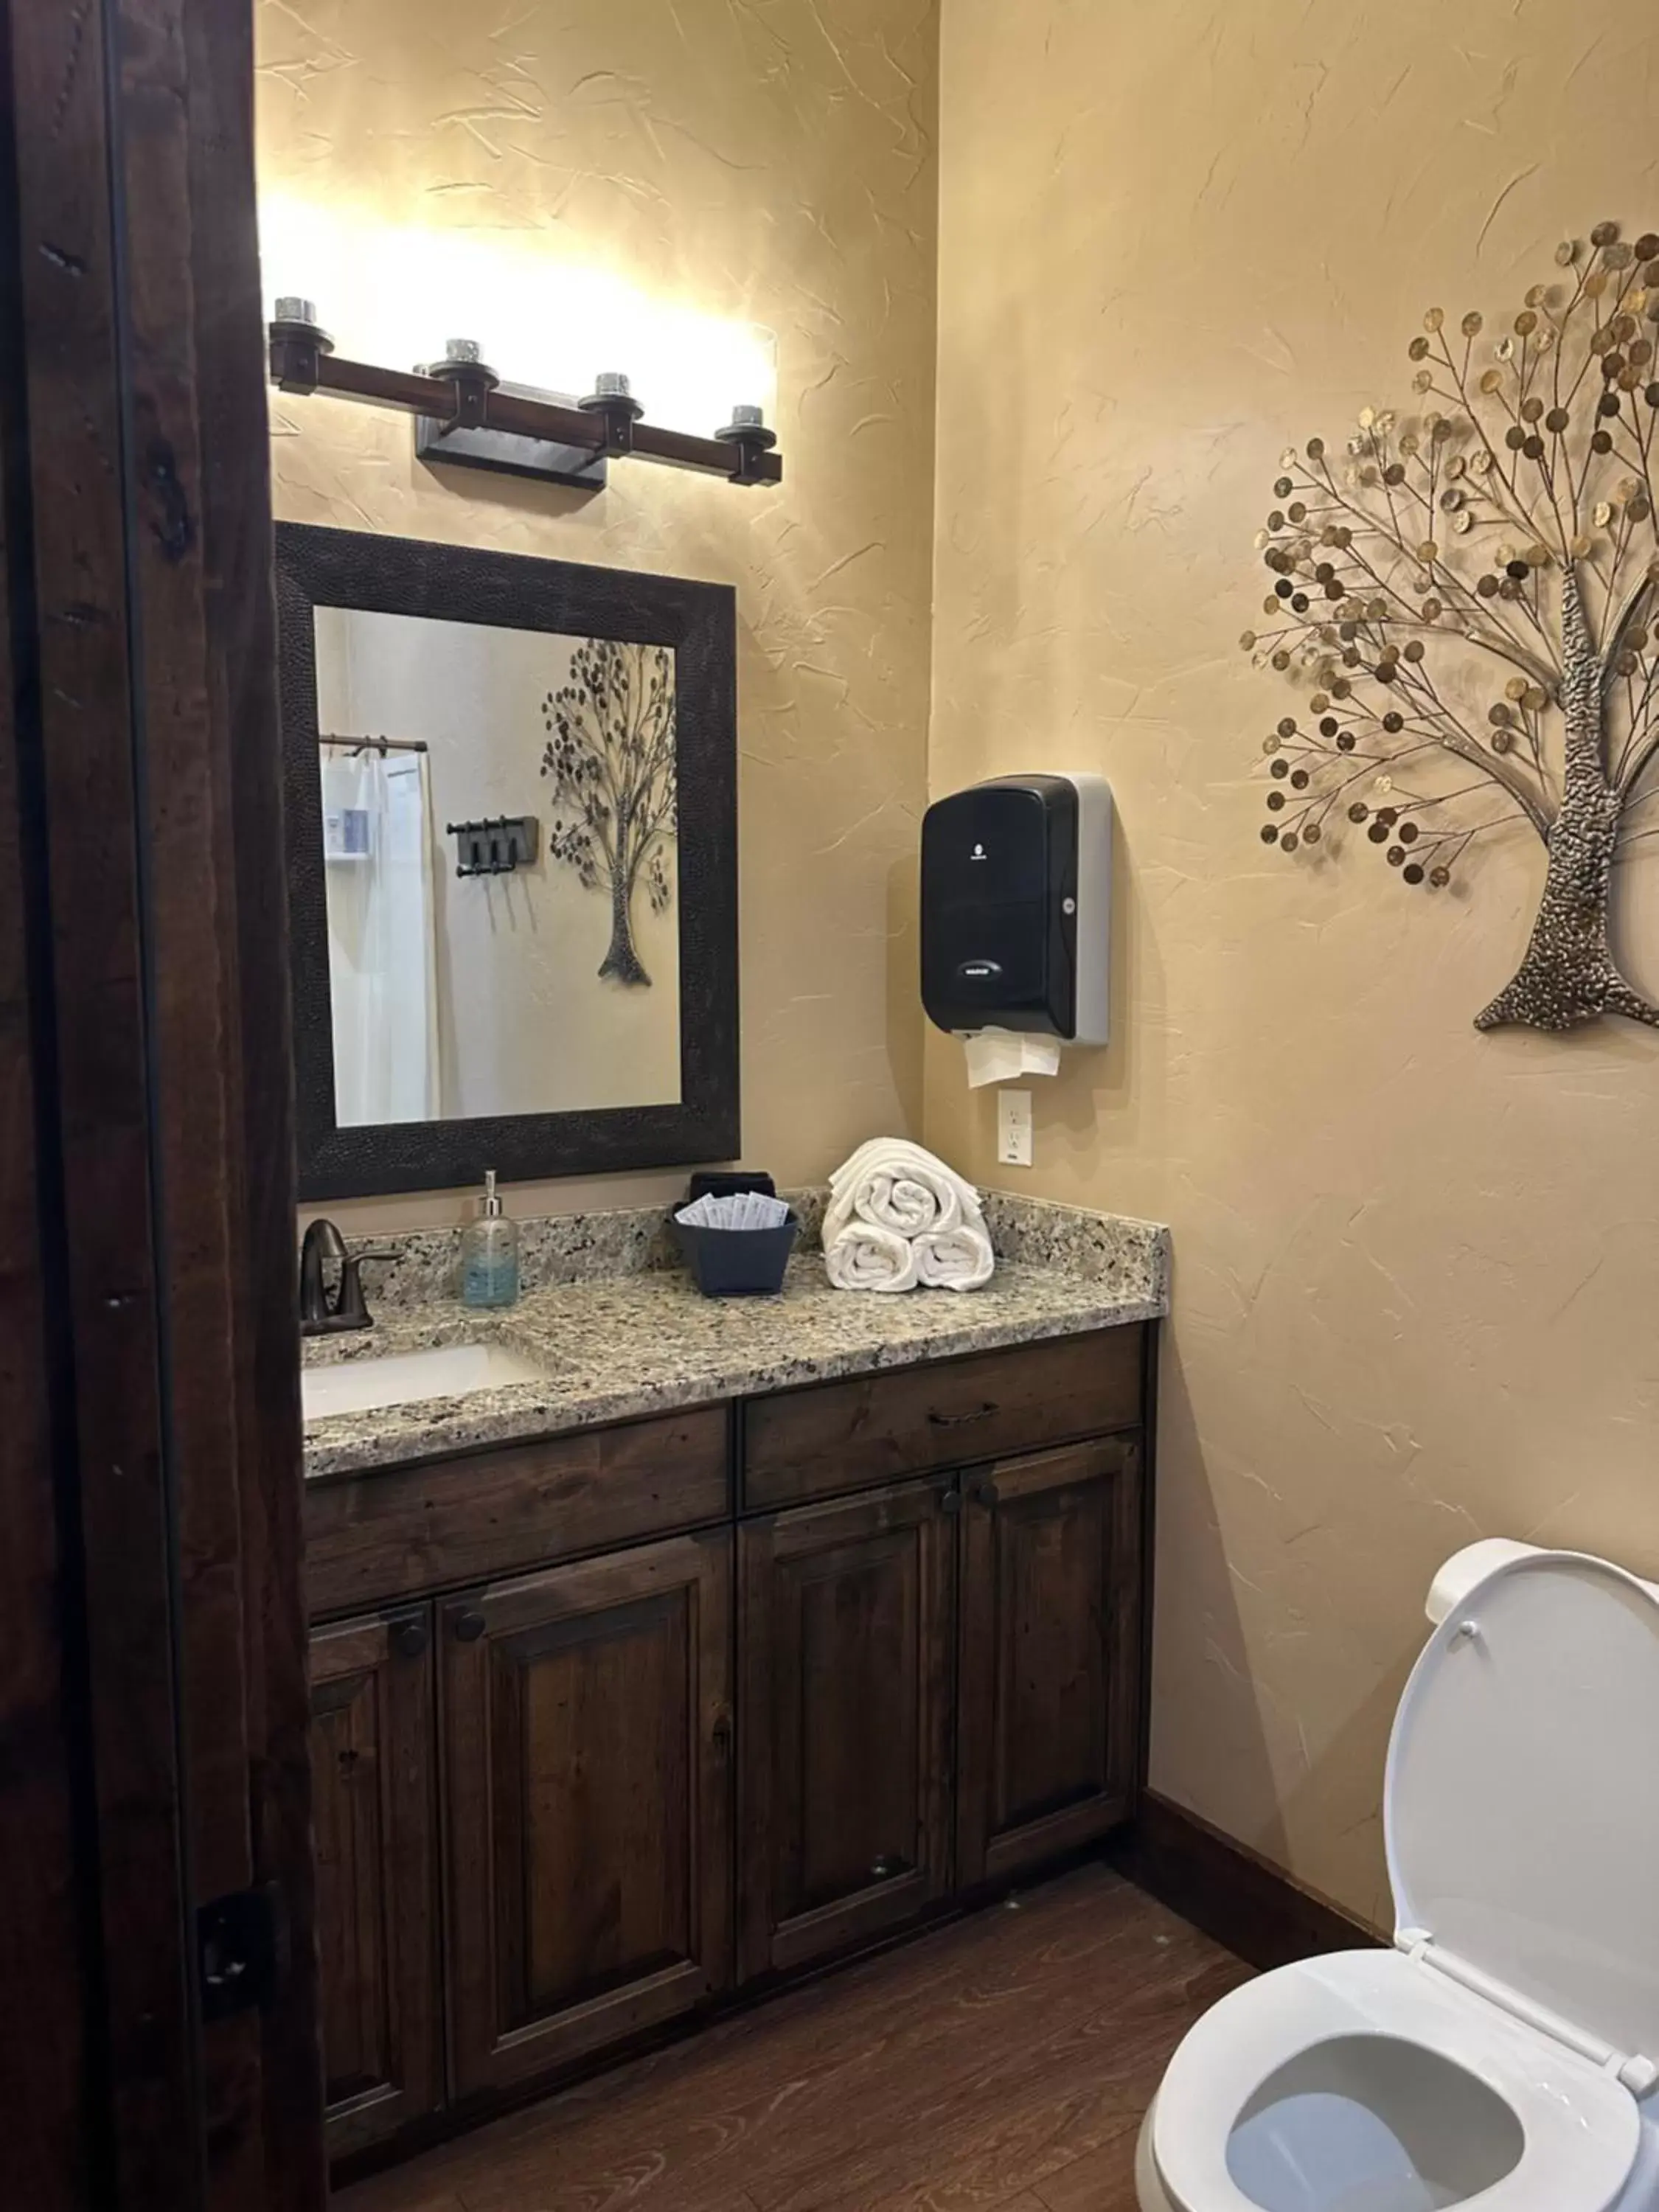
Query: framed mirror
<point>511,793</point>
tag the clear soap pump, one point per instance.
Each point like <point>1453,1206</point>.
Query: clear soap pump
<point>489,1254</point>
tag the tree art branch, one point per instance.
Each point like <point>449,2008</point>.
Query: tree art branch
<point>1471,588</point>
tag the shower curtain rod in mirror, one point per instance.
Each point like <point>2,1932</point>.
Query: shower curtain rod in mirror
<point>381,745</point>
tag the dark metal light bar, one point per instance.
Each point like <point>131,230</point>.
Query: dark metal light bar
<point>462,393</point>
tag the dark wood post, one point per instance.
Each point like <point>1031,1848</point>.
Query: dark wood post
<point>157,1688</point>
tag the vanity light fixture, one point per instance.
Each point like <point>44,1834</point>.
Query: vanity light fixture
<point>465,414</point>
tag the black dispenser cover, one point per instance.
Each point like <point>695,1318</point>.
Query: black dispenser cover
<point>998,868</point>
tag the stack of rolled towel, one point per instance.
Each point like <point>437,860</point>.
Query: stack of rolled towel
<point>899,1219</point>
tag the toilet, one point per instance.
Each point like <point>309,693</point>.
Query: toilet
<point>1505,2053</point>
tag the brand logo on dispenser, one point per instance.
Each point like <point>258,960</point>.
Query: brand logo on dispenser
<point>979,852</point>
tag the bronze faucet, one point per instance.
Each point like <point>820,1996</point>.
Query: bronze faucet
<point>320,1315</point>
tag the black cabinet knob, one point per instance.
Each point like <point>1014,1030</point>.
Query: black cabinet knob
<point>985,1491</point>
<point>885,1866</point>
<point>951,1501</point>
<point>410,1638</point>
<point>470,1625</point>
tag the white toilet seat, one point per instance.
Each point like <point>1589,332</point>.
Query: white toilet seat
<point>1582,2128</point>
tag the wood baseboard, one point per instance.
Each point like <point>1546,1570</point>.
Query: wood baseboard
<point>1232,1893</point>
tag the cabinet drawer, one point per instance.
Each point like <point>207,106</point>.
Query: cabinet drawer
<point>833,1437</point>
<point>394,1533</point>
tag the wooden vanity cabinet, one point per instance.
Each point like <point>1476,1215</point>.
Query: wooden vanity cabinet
<point>939,1687</point>
<point>832,1437</point>
<point>374,1813</point>
<point>846,1628</point>
<point>704,1699</point>
<point>587,1739</point>
<point>1048,1681</point>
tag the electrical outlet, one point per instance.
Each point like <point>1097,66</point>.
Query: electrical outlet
<point>1014,1128</point>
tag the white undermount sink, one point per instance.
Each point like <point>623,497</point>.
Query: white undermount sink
<point>359,1386</point>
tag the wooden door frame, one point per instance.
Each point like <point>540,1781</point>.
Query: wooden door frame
<point>154,1668</point>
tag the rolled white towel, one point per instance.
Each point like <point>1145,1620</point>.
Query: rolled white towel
<point>866,1257</point>
<point>959,1259</point>
<point>896,1185</point>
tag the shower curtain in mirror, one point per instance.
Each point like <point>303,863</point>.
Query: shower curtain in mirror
<point>377,847</point>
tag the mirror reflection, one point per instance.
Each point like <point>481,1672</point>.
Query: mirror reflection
<point>500,820</point>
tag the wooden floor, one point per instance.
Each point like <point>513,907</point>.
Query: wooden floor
<point>1002,2065</point>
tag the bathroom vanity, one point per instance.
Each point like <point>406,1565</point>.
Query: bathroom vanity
<point>663,1649</point>
<point>741,1637</point>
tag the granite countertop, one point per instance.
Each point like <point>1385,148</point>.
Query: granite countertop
<point>612,1346</point>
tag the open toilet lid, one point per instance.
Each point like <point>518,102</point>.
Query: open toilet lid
<point>1522,1804</point>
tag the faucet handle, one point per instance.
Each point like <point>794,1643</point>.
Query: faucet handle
<point>351,1308</point>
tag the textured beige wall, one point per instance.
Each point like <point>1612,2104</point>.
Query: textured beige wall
<point>1417,1269</point>
<point>764,161</point>
<point>1418,1288</point>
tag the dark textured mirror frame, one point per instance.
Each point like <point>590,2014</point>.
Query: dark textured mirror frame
<point>397,575</point>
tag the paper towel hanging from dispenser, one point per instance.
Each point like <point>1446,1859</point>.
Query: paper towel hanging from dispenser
<point>1016,903</point>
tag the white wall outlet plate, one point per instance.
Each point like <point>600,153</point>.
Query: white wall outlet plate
<point>1014,1128</point>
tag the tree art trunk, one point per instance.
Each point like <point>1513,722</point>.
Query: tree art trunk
<point>1569,974</point>
<point>621,963</point>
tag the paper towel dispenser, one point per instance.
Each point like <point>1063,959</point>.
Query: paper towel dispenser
<point>1016,895</point>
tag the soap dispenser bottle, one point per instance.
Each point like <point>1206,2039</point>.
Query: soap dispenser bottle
<point>489,1254</point>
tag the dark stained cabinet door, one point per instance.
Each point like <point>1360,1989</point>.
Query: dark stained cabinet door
<point>374,1810</point>
<point>587,1742</point>
<point>846,1627</point>
<point>1048,1700</point>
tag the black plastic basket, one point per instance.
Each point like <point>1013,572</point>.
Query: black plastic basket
<point>737,1263</point>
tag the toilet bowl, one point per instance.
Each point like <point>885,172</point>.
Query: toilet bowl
<point>1503,2055</point>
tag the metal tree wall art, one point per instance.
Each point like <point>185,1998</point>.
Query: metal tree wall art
<point>610,755</point>
<point>1470,591</point>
